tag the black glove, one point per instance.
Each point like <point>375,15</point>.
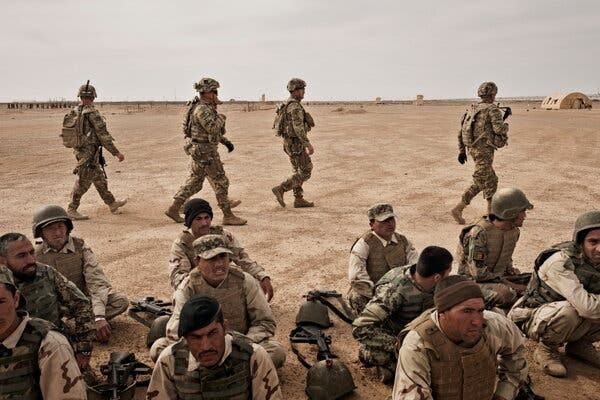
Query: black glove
<point>229,146</point>
<point>462,158</point>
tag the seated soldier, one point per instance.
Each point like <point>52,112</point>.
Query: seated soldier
<point>198,219</point>
<point>376,252</point>
<point>401,295</point>
<point>73,258</point>
<point>486,247</point>
<point>210,362</point>
<point>244,304</point>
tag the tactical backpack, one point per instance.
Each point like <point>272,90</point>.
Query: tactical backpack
<point>280,119</point>
<point>187,122</point>
<point>72,129</point>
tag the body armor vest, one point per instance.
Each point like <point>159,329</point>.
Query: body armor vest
<point>41,295</point>
<point>458,373</point>
<point>230,380</point>
<point>186,238</point>
<point>19,371</point>
<point>230,294</point>
<point>538,292</point>
<point>500,247</point>
<point>476,126</point>
<point>382,259</point>
<point>70,264</point>
<point>199,135</point>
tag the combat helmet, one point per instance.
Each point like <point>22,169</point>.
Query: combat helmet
<point>507,203</point>
<point>584,223</point>
<point>47,215</point>
<point>205,85</point>
<point>295,83</point>
<point>313,312</point>
<point>87,90</point>
<point>487,89</point>
<point>329,379</point>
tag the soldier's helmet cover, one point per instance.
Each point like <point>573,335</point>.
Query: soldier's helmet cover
<point>295,83</point>
<point>206,85</point>
<point>585,223</point>
<point>87,90</point>
<point>47,215</point>
<point>507,203</point>
<point>329,379</point>
<point>487,89</point>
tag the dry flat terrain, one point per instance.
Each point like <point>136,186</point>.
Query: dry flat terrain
<point>401,154</point>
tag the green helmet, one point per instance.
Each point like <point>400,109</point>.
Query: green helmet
<point>47,215</point>
<point>584,223</point>
<point>487,89</point>
<point>329,379</point>
<point>205,85</point>
<point>87,90</point>
<point>313,312</point>
<point>509,202</point>
<point>295,83</point>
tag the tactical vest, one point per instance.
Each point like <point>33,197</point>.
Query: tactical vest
<point>70,264</point>
<point>230,294</point>
<point>476,126</point>
<point>230,380</point>
<point>186,238</point>
<point>458,373</point>
<point>538,292</point>
<point>41,295</point>
<point>20,372</point>
<point>201,136</point>
<point>382,259</point>
<point>500,247</point>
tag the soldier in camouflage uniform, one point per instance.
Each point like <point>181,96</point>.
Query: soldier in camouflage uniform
<point>377,251</point>
<point>483,131</point>
<point>36,361</point>
<point>210,362</point>
<point>49,294</point>
<point>198,219</point>
<point>73,258</point>
<point>203,128</point>
<point>89,168</point>
<point>401,295</point>
<point>296,124</point>
<point>486,247</point>
<point>244,304</point>
<point>562,301</point>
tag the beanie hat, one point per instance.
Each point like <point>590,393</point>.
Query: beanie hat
<point>194,207</point>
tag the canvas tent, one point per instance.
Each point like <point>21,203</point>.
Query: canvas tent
<point>572,100</point>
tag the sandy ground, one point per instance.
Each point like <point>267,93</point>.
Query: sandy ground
<point>401,154</point>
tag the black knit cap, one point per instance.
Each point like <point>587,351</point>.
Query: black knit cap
<point>197,313</point>
<point>194,207</point>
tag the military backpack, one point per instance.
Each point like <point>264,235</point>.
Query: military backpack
<point>280,119</point>
<point>72,129</point>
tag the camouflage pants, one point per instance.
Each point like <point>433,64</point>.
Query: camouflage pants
<point>207,166</point>
<point>378,347</point>
<point>301,165</point>
<point>484,177</point>
<point>357,301</point>
<point>86,174</point>
<point>498,295</point>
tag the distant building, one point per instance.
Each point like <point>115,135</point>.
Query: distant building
<point>419,101</point>
<point>572,100</point>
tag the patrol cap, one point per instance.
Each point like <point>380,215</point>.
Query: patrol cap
<point>194,207</point>
<point>453,290</point>
<point>209,246</point>
<point>6,277</point>
<point>197,313</point>
<point>381,212</point>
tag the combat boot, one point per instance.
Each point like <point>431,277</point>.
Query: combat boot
<point>114,207</point>
<point>549,359</point>
<point>229,218</point>
<point>299,202</point>
<point>173,211</point>
<point>73,214</point>
<point>585,351</point>
<point>278,192</point>
<point>234,203</point>
<point>456,212</point>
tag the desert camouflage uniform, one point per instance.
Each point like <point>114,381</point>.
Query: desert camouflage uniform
<point>182,256</point>
<point>506,353</point>
<point>265,382</point>
<point>485,255</point>
<point>56,374</point>
<point>88,168</point>
<point>244,306</point>
<point>64,301</point>
<point>79,264</point>
<point>206,127</point>
<point>398,300</point>
<point>488,122</point>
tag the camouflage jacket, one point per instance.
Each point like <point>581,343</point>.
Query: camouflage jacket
<point>296,122</point>
<point>479,125</point>
<point>95,134</point>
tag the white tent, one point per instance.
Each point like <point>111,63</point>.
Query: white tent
<point>572,100</point>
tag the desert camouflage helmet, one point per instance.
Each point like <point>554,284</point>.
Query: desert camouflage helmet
<point>47,215</point>
<point>509,202</point>
<point>87,90</point>
<point>205,85</point>
<point>584,223</point>
<point>329,379</point>
<point>295,83</point>
<point>487,89</point>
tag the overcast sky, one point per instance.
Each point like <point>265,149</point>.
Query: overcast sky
<point>344,49</point>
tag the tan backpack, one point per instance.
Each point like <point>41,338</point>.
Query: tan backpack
<point>72,129</point>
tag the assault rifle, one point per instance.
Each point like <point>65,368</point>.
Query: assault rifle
<point>121,372</point>
<point>507,112</point>
<point>102,161</point>
<point>313,335</point>
<point>153,313</point>
<point>323,295</point>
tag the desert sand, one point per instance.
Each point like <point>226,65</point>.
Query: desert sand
<point>401,154</point>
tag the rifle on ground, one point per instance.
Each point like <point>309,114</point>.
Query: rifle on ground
<point>121,372</point>
<point>507,112</point>
<point>312,335</point>
<point>323,295</point>
<point>153,313</point>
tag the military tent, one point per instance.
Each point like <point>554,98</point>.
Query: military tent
<point>572,100</point>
